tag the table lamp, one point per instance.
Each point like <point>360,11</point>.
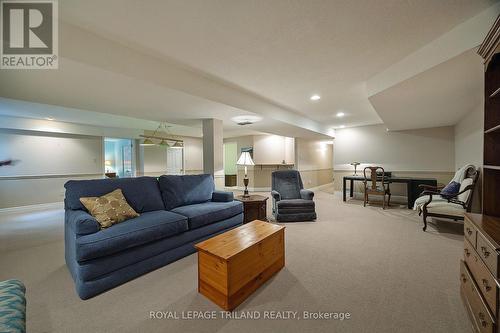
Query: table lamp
<point>355,165</point>
<point>245,160</point>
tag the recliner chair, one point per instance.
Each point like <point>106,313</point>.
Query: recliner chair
<point>291,203</point>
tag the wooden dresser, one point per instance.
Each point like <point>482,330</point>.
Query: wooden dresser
<point>479,271</point>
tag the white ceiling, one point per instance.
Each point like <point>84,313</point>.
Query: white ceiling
<point>440,96</point>
<point>281,50</point>
<point>272,54</point>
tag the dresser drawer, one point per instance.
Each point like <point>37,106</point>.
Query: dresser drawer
<point>470,232</point>
<point>484,280</point>
<point>483,318</point>
<point>488,254</point>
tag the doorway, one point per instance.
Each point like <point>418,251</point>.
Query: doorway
<point>230,168</point>
<point>175,161</point>
<point>118,158</point>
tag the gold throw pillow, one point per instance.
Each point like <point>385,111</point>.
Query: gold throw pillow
<point>109,209</point>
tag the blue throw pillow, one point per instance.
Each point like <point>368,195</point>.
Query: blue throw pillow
<point>451,189</point>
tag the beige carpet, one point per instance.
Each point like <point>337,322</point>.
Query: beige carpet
<point>377,265</point>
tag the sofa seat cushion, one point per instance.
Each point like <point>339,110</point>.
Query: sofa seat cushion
<point>446,208</point>
<point>146,228</point>
<point>209,212</point>
<point>293,206</point>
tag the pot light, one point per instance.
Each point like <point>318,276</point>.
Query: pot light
<point>340,114</point>
<point>315,97</point>
<point>342,126</point>
<point>49,118</point>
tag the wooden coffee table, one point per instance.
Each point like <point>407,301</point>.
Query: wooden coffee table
<point>234,264</point>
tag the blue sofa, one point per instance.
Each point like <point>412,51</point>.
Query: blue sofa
<point>176,212</point>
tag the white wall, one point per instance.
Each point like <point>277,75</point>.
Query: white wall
<point>427,153</point>
<point>38,153</point>
<point>427,150</point>
<point>155,158</point>
<point>193,155</point>
<point>314,154</point>
<point>273,149</point>
<point>469,134</point>
<point>314,160</point>
<point>43,163</point>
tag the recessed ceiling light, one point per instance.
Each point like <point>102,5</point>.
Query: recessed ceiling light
<point>342,126</point>
<point>49,118</point>
<point>340,114</point>
<point>315,97</point>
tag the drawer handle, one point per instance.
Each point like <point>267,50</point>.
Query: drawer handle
<point>464,279</point>
<point>485,252</point>
<point>484,323</point>
<point>469,232</point>
<point>485,285</point>
<point>467,253</point>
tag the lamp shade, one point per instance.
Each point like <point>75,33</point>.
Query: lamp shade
<point>147,142</point>
<point>164,143</point>
<point>245,159</point>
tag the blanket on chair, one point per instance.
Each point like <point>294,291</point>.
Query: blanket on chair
<point>458,178</point>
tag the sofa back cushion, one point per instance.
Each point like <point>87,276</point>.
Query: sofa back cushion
<point>185,190</point>
<point>142,193</point>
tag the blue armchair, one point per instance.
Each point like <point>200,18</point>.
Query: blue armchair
<point>291,203</point>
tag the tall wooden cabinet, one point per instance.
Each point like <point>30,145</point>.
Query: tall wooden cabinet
<point>480,269</point>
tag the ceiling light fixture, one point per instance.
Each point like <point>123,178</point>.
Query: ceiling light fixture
<point>315,97</point>
<point>178,145</point>
<point>342,126</point>
<point>164,143</point>
<point>49,118</point>
<point>147,142</point>
<point>340,114</point>
<point>164,139</point>
<point>246,119</point>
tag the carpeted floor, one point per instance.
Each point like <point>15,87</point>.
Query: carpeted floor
<point>377,265</point>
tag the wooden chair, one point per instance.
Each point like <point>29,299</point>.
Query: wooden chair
<point>376,184</point>
<point>453,206</point>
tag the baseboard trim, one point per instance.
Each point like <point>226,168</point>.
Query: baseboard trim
<point>360,196</point>
<point>268,189</point>
<point>320,187</point>
<point>31,208</point>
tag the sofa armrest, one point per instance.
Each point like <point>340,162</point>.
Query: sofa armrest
<point>12,306</point>
<point>81,222</point>
<point>222,196</point>
<point>276,195</point>
<point>306,194</point>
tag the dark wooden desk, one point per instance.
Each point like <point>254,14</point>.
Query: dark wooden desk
<point>412,188</point>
